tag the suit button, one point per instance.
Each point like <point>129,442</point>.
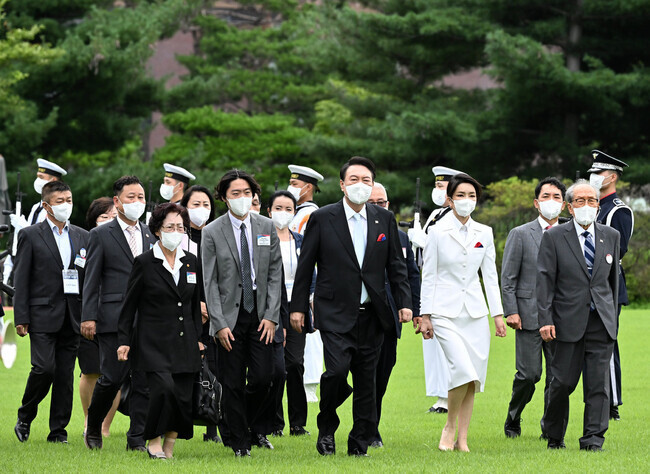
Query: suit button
<point>181,333</point>
<point>463,278</point>
<point>180,318</point>
<point>236,305</point>
<point>240,285</point>
<point>463,290</point>
<point>464,265</point>
<point>464,252</point>
<point>180,304</point>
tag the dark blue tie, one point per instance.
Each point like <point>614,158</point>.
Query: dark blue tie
<point>247,282</point>
<point>590,251</point>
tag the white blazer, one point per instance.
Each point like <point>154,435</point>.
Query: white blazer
<point>450,276</point>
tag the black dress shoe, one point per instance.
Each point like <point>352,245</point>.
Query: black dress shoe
<point>22,431</point>
<point>136,448</point>
<point>242,453</point>
<point>512,428</point>
<point>357,453</point>
<point>261,441</point>
<point>325,445</point>
<point>298,431</point>
<point>543,437</point>
<point>58,440</point>
<point>214,439</point>
<point>556,444</point>
<point>613,413</point>
<point>435,409</point>
<point>591,447</point>
<point>376,444</point>
<point>277,433</point>
<point>93,440</point>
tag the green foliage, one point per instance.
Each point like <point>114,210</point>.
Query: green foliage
<point>637,260</point>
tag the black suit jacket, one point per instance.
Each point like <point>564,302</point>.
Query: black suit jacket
<point>108,267</point>
<point>39,300</point>
<point>414,282</point>
<point>328,243</point>
<point>164,337</point>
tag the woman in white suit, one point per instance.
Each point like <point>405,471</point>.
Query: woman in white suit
<point>453,305</point>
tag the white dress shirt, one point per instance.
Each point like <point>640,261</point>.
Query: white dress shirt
<point>581,238</point>
<point>176,271</point>
<point>363,222</point>
<point>63,242</point>
<point>543,224</point>
<point>236,228</point>
<point>127,235</point>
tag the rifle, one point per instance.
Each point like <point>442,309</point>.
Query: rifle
<point>416,208</point>
<point>150,204</point>
<point>18,211</point>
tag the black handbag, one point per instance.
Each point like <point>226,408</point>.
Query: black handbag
<point>206,399</point>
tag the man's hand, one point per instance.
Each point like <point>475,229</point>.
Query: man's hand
<point>297,321</point>
<point>405,315</point>
<point>268,331</point>
<point>547,332</point>
<point>284,337</point>
<point>500,326</point>
<point>204,312</point>
<point>123,353</point>
<point>425,328</point>
<point>514,321</point>
<point>22,329</point>
<point>416,322</point>
<point>225,336</point>
<point>88,329</point>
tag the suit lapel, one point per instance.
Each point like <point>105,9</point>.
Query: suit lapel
<point>536,233</point>
<point>118,235</point>
<point>165,275</point>
<point>372,232</point>
<point>146,238</point>
<point>599,245</point>
<point>48,238</point>
<point>342,231</point>
<point>229,236</point>
<point>256,250</point>
<point>76,244</point>
<point>574,244</point>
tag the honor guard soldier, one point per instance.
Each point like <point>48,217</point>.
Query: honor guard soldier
<point>174,183</point>
<point>606,171</point>
<point>303,183</point>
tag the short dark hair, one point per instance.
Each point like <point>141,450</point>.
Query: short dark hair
<point>553,181</point>
<point>52,187</point>
<point>125,181</point>
<point>357,160</point>
<point>230,176</point>
<point>282,193</point>
<point>461,178</point>
<point>98,207</point>
<point>197,188</point>
<point>160,212</point>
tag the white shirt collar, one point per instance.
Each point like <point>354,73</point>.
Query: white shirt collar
<point>349,212</point>
<point>456,224</point>
<point>545,224</point>
<point>158,253</point>
<point>237,223</point>
<point>580,230</point>
<point>124,225</point>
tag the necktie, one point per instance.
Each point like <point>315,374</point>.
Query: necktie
<point>360,249</point>
<point>590,251</point>
<point>547,227</point>
<point>247,282</point>
<point>132,243</point>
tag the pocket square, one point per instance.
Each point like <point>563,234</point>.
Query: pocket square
<point>478,245</point>
<point>381,237</point>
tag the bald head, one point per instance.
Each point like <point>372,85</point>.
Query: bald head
<point>379,196</point>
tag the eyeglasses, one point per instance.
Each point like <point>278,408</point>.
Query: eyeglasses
<point>579,202</point>
<point>172,228</point>
<point>381,203</point>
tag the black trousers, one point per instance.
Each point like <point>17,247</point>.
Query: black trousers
<point>53,357</point>
<point>272,406</point>
<point>356,351</point>
<point>294,363</point>
<point>249,360</point>
<point>387,360</point>
<point>113,374</point>
<point>170,404</point>
<point>529,350</point>
<point>589,356</point>
<point>615,369</point>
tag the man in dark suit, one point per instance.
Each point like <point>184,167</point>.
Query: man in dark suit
<point>388,354</point>
<point>518,283</point>
<point>111,251</point>
<point>577,291</point>
<point>356,247</point>
<point>49,274</point>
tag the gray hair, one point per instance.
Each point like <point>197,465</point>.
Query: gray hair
<point>381,186</point>
<point>580,182</point>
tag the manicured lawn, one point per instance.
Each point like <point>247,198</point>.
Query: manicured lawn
<point>410,434</point>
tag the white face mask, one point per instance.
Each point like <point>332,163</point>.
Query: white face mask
<point>240,206</point>
<point>295,191</point>
<point>464,207</point>
<point>597,180</point>
<point>550,209</point>
<point>199,216</point>
<point>133,210</point>
<point>585,215</point>
<point>61,212</point>
<point>253,211</point>
<point>281,219</point>
<point>167,191</point>
<point>105,222</point>
<point>358,193</point>
<point>439,196</point>
<point>171,240</point>
<point>39,183</point>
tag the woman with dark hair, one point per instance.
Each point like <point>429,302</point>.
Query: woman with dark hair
<point>453,305</point>
<point>101,211</point>
<point>200,207</point>
<point>164,290</point>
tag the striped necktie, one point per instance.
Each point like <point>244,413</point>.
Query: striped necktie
<point>590,251</point>
<point>247,279</point>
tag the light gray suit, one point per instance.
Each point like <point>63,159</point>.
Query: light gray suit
<point>222,272</point>
<point>518,283</point>
<point>585,337</point>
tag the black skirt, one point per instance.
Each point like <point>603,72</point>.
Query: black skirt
<point>170,404</point>
<point>88,356</point>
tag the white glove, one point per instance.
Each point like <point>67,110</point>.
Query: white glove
<point>417,237</point>
<point>18,222</point>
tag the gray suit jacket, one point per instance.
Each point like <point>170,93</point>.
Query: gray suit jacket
<point>564,287</point>
<point>519,273</point>
<point>222,272</point>
<point>108,267</point>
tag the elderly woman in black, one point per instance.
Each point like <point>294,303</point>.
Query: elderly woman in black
<point>164,289</point>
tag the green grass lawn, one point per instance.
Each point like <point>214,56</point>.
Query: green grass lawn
<point>410,434</point>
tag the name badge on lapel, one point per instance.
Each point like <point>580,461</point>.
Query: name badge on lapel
<point>191,278</point>
<point>263,240</point>
<point>80,261</point>
<point>71,282</point>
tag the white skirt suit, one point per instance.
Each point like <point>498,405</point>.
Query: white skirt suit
<point>452,295</point>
